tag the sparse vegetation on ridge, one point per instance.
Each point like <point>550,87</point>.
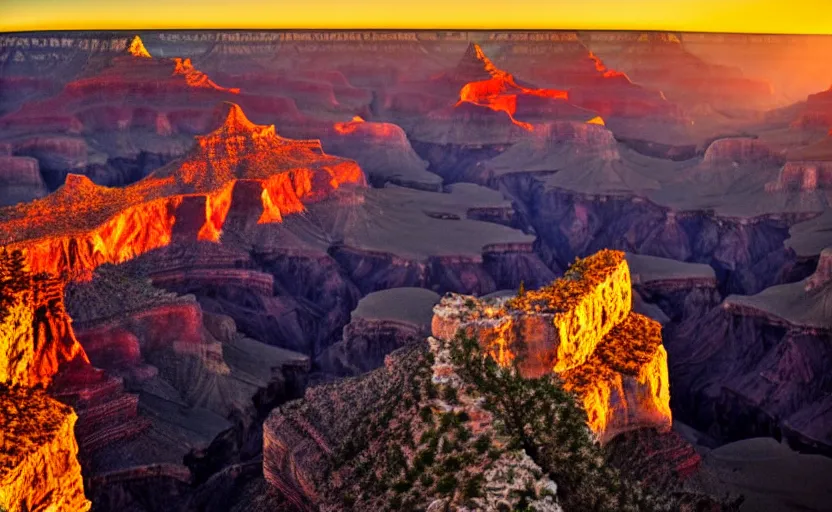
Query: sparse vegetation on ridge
<point>548,423</point>
<point>424,443</point>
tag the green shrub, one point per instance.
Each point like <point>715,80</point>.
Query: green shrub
<point>482,443</point>
<point>549,424</point>
<point>446,484</point>
<point>401,486</point>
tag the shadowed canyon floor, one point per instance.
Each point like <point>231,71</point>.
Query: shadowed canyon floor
<point>233,268</point>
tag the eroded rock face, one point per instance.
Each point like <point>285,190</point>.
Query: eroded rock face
<point>20,180</point>
<point>303,438</point>
<point>382,322</point>
<point>582,328</point>
<point>738,150</point>
<point>39,470</point>
<point>758,365</point>
<point>36,337</point>
<point>83,225</point>
<point>803,176</point>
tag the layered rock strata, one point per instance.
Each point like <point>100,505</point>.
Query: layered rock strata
<point>756,365</point>
<point>264,175</point>
<point>581,327</point>
<point>382,322</point>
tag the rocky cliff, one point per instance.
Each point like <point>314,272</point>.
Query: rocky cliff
<point>582,328</point>
<point>383,152</point>
<point>20,180</point>
<point>422,430</point>
<point>37,338</point>
<point>803,176</point>
<point>200,389</point>
<point>755,365</point>
<point>39,470</point>
<point>83,225</point>
<point>381,323</point>
<point>717,210</point>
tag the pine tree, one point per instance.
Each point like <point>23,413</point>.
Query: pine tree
<point>521,291</point>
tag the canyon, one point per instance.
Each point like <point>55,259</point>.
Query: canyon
<point>222,253</point>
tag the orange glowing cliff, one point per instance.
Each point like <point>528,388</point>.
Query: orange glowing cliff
<point>500,91</point>
<point>581,327</point>
<point>239,165</point>
<point>39,468</point>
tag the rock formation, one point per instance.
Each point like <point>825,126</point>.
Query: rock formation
<point>383,152</point>
<point>36,337</point>
<point>201,386</point>
<point>754,364</point>
<point>83,225</point>
<point>331,425</point>
<point>582,328</point>
<point>803,177</point>
<point>646,57</point>
<point>39,470</point>
<point>20,180</point>
<point>382,322</point>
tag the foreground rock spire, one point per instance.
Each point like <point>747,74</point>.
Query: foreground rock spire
<point>136,49</point>
<point>582,328</point>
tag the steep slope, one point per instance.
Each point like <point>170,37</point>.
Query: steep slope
<point>39,470</point>
<point>444,426</point>
<point>764,358</point>
<point>383,152</point>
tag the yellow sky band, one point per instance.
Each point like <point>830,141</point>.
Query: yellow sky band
<point>746,16</point>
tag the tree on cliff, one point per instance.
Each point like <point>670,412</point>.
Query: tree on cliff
<point>548,423</point>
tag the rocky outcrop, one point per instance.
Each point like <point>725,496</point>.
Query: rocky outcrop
<point>681,290</point>
<point>115,225</point>
<point>383,152</point>
<point>382,322</point>
<point>20,180</point>
<point>739,150</point>
<point>582,328</point>
<point>803,177</point>
<point>36,337</point>
<point>303,438</point>
<point>39,470</point>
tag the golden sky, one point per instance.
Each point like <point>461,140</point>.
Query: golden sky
<point>756,16</point>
